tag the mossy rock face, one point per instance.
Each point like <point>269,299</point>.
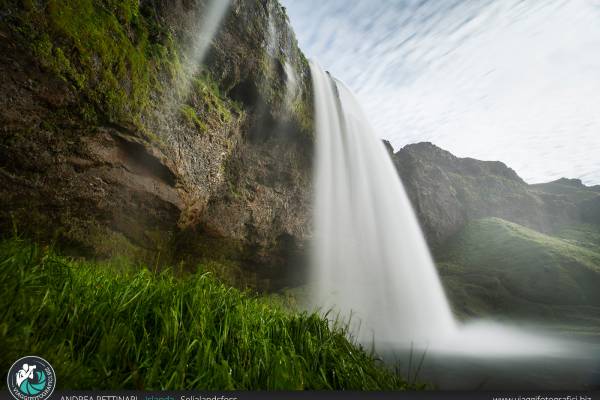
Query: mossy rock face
<point>116,124</point>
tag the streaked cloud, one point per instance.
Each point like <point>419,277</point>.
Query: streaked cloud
<point>516,81</point>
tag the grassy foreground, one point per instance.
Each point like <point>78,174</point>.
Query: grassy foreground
<point>114,326</point>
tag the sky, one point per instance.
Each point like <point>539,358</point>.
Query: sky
<point>509,80</point>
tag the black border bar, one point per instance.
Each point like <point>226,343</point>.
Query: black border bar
<point>247,395</point>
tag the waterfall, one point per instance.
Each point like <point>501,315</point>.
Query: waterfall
<point>370,262</point>
<point>370,258</point>
<point>203,32</point>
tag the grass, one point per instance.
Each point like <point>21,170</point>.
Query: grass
<point>115,326</point>
<point>584,235</point>
<point>495,267</point>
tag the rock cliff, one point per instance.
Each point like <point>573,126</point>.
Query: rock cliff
<point>148,129</point>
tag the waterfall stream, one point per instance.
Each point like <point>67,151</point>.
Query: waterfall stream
<point>370,256</point>
<point>371,265</point>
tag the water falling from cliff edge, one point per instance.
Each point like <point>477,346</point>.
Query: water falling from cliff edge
<point>369,254</point>
<point>370,260</point>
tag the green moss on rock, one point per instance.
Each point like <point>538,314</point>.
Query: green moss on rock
<point>190,115</point>
<point>103,48</point>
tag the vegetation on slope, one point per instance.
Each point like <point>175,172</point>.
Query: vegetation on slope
<point>496,267</point>
<point>584,235</point>
<point>115,53</point>
<point>573,189</point>
<point>90,45</point>
<point>114,326</point>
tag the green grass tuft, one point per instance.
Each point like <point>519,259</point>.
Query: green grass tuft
<point>112,326</point>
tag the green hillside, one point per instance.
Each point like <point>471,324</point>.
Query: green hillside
<point>498,268</point>
<point>584,235</point>
<point>112,326</point>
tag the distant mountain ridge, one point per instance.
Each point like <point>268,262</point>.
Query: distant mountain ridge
<point>576,183</point>
<point>447,192</point>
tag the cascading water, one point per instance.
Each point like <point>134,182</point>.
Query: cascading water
<point>370,260</point>
<point>206,30</point>
<point>202,33</point>
<point>370,256</point>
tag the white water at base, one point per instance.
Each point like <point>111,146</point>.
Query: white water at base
<point>370,262</point>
